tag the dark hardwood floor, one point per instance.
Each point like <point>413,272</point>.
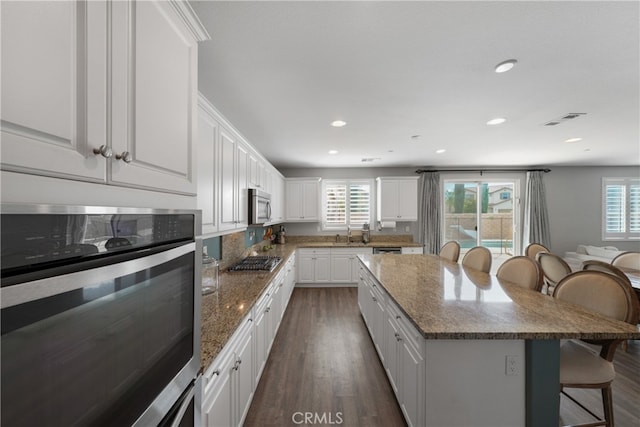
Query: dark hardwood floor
<point>323,364</point>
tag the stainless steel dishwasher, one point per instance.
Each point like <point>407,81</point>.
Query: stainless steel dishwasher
<point>388,250</point>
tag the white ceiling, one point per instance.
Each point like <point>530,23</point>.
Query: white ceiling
<point>282,71</point>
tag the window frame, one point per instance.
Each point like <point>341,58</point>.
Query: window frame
<point>627,234</point>
<point>348,182</point>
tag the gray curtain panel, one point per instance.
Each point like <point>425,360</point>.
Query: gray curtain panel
<point>429,212</point>
<point>536,217</point>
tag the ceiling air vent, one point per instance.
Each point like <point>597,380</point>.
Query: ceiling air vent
<point>568,116</point>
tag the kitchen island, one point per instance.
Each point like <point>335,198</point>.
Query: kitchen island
<point>462,348</point>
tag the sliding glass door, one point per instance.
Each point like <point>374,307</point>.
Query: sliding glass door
<point>481,213</point>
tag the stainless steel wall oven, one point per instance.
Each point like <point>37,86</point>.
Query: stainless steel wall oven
<point>100,316</point>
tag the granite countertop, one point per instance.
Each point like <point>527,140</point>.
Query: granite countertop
<point>447,301</point>
<point>223,311</point>
<point>392,241</point>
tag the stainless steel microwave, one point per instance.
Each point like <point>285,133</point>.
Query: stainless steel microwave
<point>259,207</point>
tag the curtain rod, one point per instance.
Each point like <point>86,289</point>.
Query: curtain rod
<point>483,170</point>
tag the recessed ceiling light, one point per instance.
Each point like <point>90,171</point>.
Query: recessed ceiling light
<point>338,123</point>
<point>573,140</point>
<point>496,121</point>
<point>505,66</point>
<point>333,151</point>
<point>440,151</point>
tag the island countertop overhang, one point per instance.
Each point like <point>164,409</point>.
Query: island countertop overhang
<point>445,300</point>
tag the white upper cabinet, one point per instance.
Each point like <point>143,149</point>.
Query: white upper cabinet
<point>302,199</point>
<point>277,190</point>
<point>86,101</point>
<point>257,173</point>
<point>208,170</point>
<point>54,88</point>
<point>397,199</point>
<point>233,201</point>
<point>226,170</point>
<point>155,75</point>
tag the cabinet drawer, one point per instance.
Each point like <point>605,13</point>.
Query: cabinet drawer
<point>405,327</point>
<point>314,251</point>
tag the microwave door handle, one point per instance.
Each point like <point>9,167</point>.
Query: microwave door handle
<point>269,211</point>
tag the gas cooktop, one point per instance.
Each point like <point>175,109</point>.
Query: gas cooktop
<point>257,263</point>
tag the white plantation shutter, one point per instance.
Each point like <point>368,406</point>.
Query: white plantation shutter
<point>336,204</point>
<point>621,209</point>
<point>359,203</point>
<point>615,208</point>
<point>346,203</point>
<point>634,208</point>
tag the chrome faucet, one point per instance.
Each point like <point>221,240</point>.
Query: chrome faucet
<point>348,234</point>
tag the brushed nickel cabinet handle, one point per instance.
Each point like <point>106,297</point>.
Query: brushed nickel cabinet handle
<point>104,151</point>
<point>125,156</point>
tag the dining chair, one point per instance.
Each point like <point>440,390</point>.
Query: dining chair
<point>450,251</point>
<point>533,248</point>
<point>581,366</point>
<point>595,265</point>
<point>553,269</point>
<point>478,258</point>
<point>627,260</point>
<point>520,270</point>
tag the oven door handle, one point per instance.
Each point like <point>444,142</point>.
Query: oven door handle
<point>43,288</point>
<point>184,406</point>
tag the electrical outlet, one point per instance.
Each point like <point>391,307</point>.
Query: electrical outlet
<point>205,250</point>
<point>511,365</point>
<point>407,229</point>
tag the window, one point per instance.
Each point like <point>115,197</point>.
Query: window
<point>347,203</point>
<point>621,208</point>
<point>505,195</point>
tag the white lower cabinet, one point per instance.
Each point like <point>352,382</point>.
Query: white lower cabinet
<point>399,345</point>
<point>264,335</point>
<point>289,280</point>
<point>375,299</point>
<point>231,380</point>
<point>314,265</point>
<point>411,250</point>
<point>330,265</point>
<point>345,266</point>
<point>405,349</point>
<point>218,404</point>
<point>229,386</point>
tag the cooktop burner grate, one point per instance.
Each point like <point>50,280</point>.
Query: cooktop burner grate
<point>257,263</point>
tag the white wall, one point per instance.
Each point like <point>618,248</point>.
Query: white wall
<point>574,197</point>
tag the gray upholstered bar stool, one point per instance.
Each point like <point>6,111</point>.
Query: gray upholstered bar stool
<point>520,270</point>
<point>627,260</point>
<point>554,269</point>
<point>450,251</point>
<point>532,250</point>
<point>580,365</point>
<point>478,258</point>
